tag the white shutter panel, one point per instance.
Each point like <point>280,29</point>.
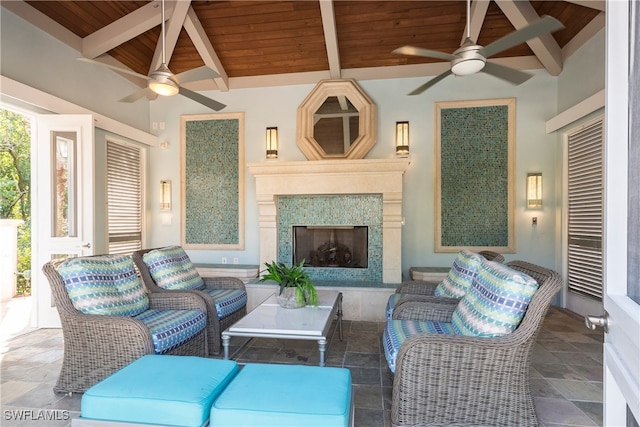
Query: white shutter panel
<point>124,197</point>
<point>585,209</point>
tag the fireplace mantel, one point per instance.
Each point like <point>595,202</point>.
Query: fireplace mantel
<point>327,177</point>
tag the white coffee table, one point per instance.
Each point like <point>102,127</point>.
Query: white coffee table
<point>269,320</point>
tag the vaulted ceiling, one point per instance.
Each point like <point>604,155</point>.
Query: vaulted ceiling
<point>271,43</point>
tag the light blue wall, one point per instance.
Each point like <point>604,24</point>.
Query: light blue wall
<point>583,74</point>
<point>30,56</point>
<point>536,103</point>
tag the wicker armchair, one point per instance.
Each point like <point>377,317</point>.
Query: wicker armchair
<point>424,287</point>
<point>463,380</point>
<point>215,324</point>
<point>458,278</point>
<point>492,256</point>
<point>95,346</point>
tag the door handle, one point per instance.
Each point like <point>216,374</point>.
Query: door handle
<point>88,246</point>
<point>592,322</point>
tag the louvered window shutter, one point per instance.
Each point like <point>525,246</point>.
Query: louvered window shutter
<point>585,209</point>
<point>124,197</point>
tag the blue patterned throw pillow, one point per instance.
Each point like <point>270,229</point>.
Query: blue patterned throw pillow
<point>171,268</point>
<point>496,303</point>
<point>461,275</point>
<point>104,285</point>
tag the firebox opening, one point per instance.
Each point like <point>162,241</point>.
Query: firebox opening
<point>331,246</point>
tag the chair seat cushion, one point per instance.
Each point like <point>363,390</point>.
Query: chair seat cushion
<point>227,301</point>
<point>159,390</point>
<point>461,275</point>
<point>105,285</point>
<point>171,268</point>
<point>496,302</point>
<point>171,328</point>
<point>397,331</point>
<point>285,395</point>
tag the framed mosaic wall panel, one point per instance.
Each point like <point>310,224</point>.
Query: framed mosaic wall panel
<point>212,181</point>
<point>474,194</point>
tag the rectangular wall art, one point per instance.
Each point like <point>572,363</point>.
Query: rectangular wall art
<point>474,194</point>
<point>212,187</point>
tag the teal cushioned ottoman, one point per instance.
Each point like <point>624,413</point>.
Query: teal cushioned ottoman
<point>158,390</point>
<point>285,395</point>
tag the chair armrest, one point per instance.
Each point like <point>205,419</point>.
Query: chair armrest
<point>429,366</point>
<point>425,308</point>
<point>128,337</point>
<point>223,283</point>
<point>417,287</point>
<point>177,301</point>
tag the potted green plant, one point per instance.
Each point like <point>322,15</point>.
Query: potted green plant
<point>296,288</point>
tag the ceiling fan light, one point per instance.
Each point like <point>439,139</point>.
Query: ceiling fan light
<point>464,67</point>
<point>167,88</point>
<point>163,82</point>
<point>468,60</point>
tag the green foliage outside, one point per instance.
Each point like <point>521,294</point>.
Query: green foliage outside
<point>15,186</point>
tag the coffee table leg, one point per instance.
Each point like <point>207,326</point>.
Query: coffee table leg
<point>322,346</point>
<point>340,314</point>
<point>225,345</point>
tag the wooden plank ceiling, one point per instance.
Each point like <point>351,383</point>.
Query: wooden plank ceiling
<point>324,39</point>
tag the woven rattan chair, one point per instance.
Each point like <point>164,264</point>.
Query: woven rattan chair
<point>215,325</point>
<point>492,256</point>
<point>424,290</point>
<point>427,287</point>
<point>463,380</point>
<point>95,346</point>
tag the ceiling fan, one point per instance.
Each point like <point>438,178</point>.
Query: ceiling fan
<point>471,58</point>
<point>164,83</point>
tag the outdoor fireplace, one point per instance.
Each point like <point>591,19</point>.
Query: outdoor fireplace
<point>378,180</point>
<point>331,246</point>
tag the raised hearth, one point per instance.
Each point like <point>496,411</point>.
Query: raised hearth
<point>333,177</point>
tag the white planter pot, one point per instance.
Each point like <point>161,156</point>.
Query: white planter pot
<point>287,299</point>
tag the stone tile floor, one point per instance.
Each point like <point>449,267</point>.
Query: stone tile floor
<point>566,373</point>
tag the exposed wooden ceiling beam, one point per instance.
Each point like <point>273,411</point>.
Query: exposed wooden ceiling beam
<point>590,30</point>
<point>49,26</point>
<point>173,25</point>
<point>122,30</point>
<point>478,12</point>
<point>545,47</point>
<point>330,38</point>
<point>600,5</point>
<point>208,54</point>
<point>43,22</point>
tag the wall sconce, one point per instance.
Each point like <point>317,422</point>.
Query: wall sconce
<point>534,190</point>
<point>165,195</point>
<point>402,138</point>
<point>272,143</point>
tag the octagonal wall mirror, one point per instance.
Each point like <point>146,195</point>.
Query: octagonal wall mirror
<point>337,120</point>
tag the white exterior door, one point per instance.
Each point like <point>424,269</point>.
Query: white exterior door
<point>622,221</point>
<point>63,174</point>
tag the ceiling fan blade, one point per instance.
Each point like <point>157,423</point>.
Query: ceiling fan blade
<point>197,74</point>
<point>418,51</point>
<point>544,25</point>
<point>430,83</point>
<point>114,68</point>
<point>136,95</point>
<point>207,102</point>
<point>505,73</point>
